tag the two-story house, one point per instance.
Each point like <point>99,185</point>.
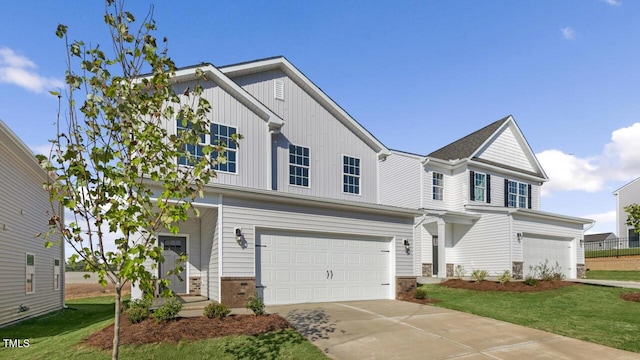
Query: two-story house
<point>480,198</point>
<point>311,207</point>
<point>627,195</point>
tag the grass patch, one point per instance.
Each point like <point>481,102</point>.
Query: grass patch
<point>58,335</point>
<point>613,275</point>
<point>591,313</point>
<point>611,252</point>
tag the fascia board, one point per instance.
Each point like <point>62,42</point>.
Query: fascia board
<point>506,171</point>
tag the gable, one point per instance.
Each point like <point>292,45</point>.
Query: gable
<point>505,148</point>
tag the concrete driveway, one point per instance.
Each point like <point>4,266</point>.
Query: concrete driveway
<point>390,329</point>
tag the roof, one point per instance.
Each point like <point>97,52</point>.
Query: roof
<point>632,182</point>
<point>598,237</point>
<point>467,146</point>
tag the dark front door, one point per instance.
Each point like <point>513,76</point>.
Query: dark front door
<point>434,253</point>
<point>173,247</point>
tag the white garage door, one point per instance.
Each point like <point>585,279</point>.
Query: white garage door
<point>296,268</point>
<point>537,250</point>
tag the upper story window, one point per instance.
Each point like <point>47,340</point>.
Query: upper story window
<point>517,194</point>
<point>479,187</point>
<point>223,135</point>
<point>351,175</point>
<point>298,165</point>
<point>438,186</point>
<point>194,149</point>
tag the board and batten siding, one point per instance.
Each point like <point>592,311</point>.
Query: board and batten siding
<point>252,153</point>
<point>546,228</point>
<point>191,229</point>
<point>208,225</point>
<point>310,124</point>
<point>400,181</point>
<point>24,206</point>
<point>251,214</point>
<point>507,150</point>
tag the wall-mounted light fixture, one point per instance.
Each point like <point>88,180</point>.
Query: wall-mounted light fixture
<point>582,243</point>
<point>238,232</point>
<point>407,246</point>
<point>519,235</point>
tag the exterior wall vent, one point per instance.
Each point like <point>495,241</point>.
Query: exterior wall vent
<point>279,89</point>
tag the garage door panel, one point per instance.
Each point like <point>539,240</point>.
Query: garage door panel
<point>536,251</point>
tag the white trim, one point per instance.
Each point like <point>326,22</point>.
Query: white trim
<point>342,174</point>
<point>433,186</point>
<point>301,166</point>
<point>392,267</point>
<point>186,236</point>
<point>58,273</point>
<point>475,195</point>
<point>220,247</point>
<point>27,272</point>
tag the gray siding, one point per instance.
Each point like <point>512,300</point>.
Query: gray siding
<point>311,125</point>
<point>208,221</point>
<point>249,215</point>
<point>23,210</point>
<point>400,181</point>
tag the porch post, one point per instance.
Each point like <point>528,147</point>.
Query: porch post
<point>442,258</point>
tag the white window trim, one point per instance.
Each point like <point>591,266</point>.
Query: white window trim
<point>517,194</point>
<point>475,187</point>
<point>436,186</point>
<point>56,271</point>
<point>359,193</point>
<point>207,139</point>
<point>289,164</point>
<point>28,272</point>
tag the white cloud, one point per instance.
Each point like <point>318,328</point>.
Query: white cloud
<point>567,172</point>
<point>18,70</point>
<point>612,2</point>
<point>568,33</point>
<point>605,217</point>
<point>43,149</point>
<point>623,152</point>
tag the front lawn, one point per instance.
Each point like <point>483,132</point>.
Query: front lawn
<point>591,313</point>
<point>613,275</point>
<point>59,336</point>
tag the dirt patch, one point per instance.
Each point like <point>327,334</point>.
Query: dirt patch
<point>512,286</point>
<point>631,296</point>
<point>77,291</point>
<point>196,328</point>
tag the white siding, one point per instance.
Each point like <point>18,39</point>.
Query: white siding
<point>400,181</point>
<point>23,213</point>
<point>456,193</point>
<point>628,195</point>
<point>311,125</point>
<point>191,228</point>
<point>208,222</point>
<point>250,215</point>
<point>508,150</point>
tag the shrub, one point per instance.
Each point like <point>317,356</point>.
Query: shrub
<point>168,311</point>
<point>216,311</point>
<point>530,280</point>
<point>459,272</point>
<point>548,273</point>
<point>138,310</point>
<point>479,275</point>
<point>505,277</point>
<point>421,293</point>
<point>256,304</point>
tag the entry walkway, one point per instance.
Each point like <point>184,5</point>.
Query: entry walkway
<point>391,329</point>
<point>610,283</point>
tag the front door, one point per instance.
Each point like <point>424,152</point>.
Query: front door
<point>434,253</point>
<point>173,247</point>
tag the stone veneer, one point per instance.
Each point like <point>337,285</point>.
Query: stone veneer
<point>235,291</point>
<point>516,270</point>
<point>450,270</point>
<point>427,269</point>
<point>195,285</point>
<point>580,269</point>
<point>405,287</point>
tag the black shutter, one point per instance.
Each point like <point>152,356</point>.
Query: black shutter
<point>472,185</point>
<point>488,189</point>
<point>529,196</point>
<point>506,192</point>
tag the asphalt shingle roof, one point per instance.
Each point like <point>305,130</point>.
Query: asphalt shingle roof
<point>597,237</point>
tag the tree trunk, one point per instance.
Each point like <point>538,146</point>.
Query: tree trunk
<point>116,325</point>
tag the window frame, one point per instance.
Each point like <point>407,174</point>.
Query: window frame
<point>435,186</point>
<point>293,165</point>
<point>208,139</point>
<point>517,195</point>
<point>357,177</point>
<point>228,149</point>
<point>483,188</point>
<point>30,271</point>
<point>56,274</point>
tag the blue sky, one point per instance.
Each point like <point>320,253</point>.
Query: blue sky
<point>417,74</point>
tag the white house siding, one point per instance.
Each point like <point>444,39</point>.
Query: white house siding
<point>252,160</point>
<point>457,190</point>
<point>251,214</point>
<point>450,193</point>
<point>627,195</point>
<point>309,124</point>
<point>483,246</point>
<point>400,181</point>
<point>507,150</point>
<point>208,256</point>
<point>191,228</point>
<point>23,213</point>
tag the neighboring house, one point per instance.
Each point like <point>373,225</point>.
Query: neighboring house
<point>32,281</point>
<point>312,207</point>
<point>627,195</point>
<point>480,196</point>
<point>603,241</point>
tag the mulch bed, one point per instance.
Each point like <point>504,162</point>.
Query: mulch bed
<point>631,296</point>
<point>512,286</point>
<point>195,328</point>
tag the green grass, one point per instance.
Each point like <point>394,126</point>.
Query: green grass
<point>613,275</point>
<point>611,252</point>
<point>591,313</point>
<point>58,336</point>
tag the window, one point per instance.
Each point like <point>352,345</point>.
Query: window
<point>195,150</point>
<point>31,273</point>
<point>480,186</point>
<point>298,165</point>
<point>223,135</point>
<point>350,175</point>
<point>56,274</point>
<point>438,186</point>
<point>517,194</point>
